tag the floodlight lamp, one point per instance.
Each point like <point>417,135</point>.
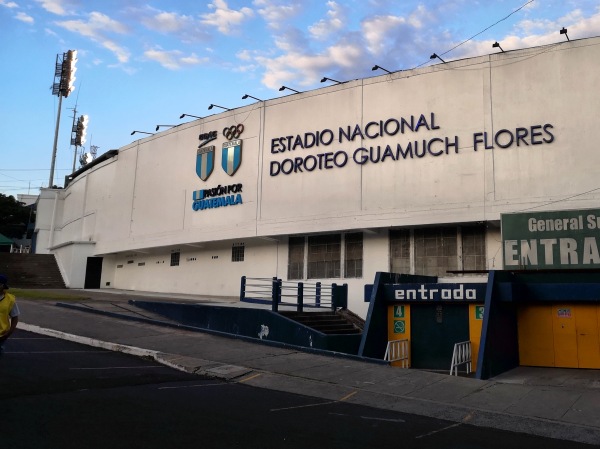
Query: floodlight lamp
<point>330,79</point>
<point>564,31</point>
<point>497,45</point>
<point>433,56</point>
<point>282,88</point>
<point>250,96</point>
<point>378,67</point>
<point>189,115</point>
<point>212,105</point>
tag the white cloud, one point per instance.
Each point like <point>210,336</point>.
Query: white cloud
<point>377,30</point>
<point>173,59</point>
<point>24,17</point>
<point>167,22</point>
<point>336,17</point>
<point>58,7</point>
<point>224,19</point>
<point>275,12</point>
<point>96,29</point>
<point>8,4</point>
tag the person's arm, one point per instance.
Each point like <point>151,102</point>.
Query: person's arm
<point>13,325</point>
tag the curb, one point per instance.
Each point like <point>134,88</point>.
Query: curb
<point>181,363</point>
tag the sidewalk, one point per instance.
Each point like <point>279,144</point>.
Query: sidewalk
<point>556,403</point>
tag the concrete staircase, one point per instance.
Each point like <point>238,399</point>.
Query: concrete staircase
<point>31,270</point>
<point>329,323</point>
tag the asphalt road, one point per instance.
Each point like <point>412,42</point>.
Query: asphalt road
<point>58,394</point>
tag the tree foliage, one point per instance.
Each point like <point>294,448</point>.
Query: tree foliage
<point>14,217</point>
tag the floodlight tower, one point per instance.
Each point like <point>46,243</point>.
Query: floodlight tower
<point>64,84</point>
<point>78,135</point>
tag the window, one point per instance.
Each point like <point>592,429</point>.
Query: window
<point>296,258</point>
<point>175,258</point>
<point>435,251</point>
<point>473,248</point>
<point>324,253</point>
<point>353,260</point>
<point>237,252</point>
<point>400,251</point>
<point>321,256</point>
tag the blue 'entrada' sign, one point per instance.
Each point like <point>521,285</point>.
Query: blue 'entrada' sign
<point>471,292</point>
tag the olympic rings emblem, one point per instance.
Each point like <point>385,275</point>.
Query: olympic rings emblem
<point>233,132</point>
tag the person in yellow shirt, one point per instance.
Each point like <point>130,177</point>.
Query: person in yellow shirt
<point>9,312</point>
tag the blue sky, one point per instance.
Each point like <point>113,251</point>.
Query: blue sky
<point>143,63</point>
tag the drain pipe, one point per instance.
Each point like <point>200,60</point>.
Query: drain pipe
<point>51,238</point>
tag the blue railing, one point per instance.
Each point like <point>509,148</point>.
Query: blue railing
<point>299,294</point>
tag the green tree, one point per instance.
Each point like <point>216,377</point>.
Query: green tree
<point>14,217</point>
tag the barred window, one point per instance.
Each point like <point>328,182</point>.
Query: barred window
<point>175,258</point>
<point>473,248</point>
<point>400,251</point>
<point>324,254</point>
<point>353,255</point>
<point>436,251</point>
<point>237,252</point>
<point>296,257</point>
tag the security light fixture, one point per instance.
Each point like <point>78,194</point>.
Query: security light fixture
<point>564,31</point>
<point>250,96</point>
<point>216,105</point>
<point>141,132</point>
<point>161,126</point>
<point>433,56</point>
<point>288,88</point>
<point>497,45</point>
<point>330,79</point>
<point>188,115</point>
<point>378,67</point>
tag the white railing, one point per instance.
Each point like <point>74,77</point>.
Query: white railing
<point>461,356</point>
<point>20,249</point>
<point>397,351</point>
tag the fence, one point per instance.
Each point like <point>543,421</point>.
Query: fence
<point>299,294</point>
<point>461,356</point>
<point>19,249</point>
<point>397,351</point>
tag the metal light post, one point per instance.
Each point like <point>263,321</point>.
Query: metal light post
<point>64,79</point>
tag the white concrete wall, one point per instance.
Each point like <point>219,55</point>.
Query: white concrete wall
<point>138,205</point>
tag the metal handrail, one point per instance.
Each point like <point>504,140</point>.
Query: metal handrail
<point>397,351</point>
<point>461,356</point>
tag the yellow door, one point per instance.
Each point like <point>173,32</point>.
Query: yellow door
<point>588,340</point>
<point>536,337</point>
<point>565,336</point>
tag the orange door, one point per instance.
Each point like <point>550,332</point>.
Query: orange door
<point>565,336</point>
<point>536,337</point>
<point>588,341</point>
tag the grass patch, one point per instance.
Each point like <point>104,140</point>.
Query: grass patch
<point>45,295</point>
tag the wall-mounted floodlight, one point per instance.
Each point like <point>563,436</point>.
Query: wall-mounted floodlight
<point>497,45</point>
<point>188,115</point>
<point>378,67</point>
<point>250,96</point>
<point>164,126</point>
<point>330,79</point>
<point>288,88</point>
<point>141,132</point>
<point>216,105</point>
<point>564,31</point>
<point>433,56</point>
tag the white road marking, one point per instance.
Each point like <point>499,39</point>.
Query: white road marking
<point>193,386</point>
<point>120,367</point>
<point>383,419</point>
<point>439,430</point>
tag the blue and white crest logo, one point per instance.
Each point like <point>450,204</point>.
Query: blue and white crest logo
<point>231,155</point>
<point>205,162</point>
